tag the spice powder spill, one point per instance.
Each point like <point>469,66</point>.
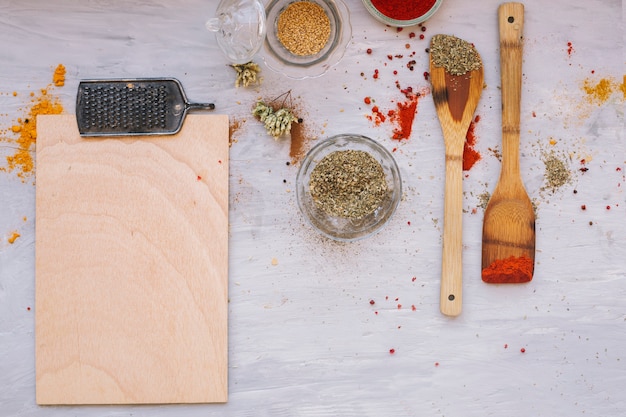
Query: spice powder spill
<point>455,55</point>
<point>13,237</point>
<point>599,91</point>
<point>402,116</point>
<point>470,154</point>
<point>349,184</point>
<point>556,173</point>
<point>26,128</point>
<point>303,28</point>
<point>58,78</point>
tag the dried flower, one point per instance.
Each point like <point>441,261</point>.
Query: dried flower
<point>247,74</point>
<point>276,122</point>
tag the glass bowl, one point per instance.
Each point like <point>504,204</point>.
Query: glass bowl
<point>400,23</point>
<point>239,28</point>
<point>281,60</point>
<point>345,228</point>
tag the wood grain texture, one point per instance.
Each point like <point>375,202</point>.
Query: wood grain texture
<point>132,265</point>
<point>509,222</point>
<point>456,98</point>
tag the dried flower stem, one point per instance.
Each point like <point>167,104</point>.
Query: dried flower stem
<point>277,122</point>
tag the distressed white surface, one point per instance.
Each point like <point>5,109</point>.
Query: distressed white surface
<point>304,339</point>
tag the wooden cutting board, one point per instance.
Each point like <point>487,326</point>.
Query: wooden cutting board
<point>132,265</point>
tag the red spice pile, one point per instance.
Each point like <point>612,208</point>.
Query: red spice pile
<point>470,155</point>
<point>510,270</point>
<point>402,9</point>
<point>402,113</point>
<point>402,116</point>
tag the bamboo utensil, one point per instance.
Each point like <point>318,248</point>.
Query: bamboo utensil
<point>456,98</point>
<point>509,222</point>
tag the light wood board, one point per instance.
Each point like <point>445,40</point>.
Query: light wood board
<point>132,265</point>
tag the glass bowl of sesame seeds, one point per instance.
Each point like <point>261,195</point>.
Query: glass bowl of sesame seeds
<point>348,187</point>
<point>305,37</point>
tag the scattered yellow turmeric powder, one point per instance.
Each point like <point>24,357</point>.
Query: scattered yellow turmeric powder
<point>13,237</point>
<point>26,128</point>
<point>599,92</point>
<point>59,76</point>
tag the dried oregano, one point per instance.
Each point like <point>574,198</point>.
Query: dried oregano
<point>557,173</point>
<point>348,184</point>
<point>454,54</point>
<point>247,74</point>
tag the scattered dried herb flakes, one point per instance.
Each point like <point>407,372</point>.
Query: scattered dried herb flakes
<point>556,174</point>
<point>483,199</point>
<point>349,184</point>
<point>457,56</point>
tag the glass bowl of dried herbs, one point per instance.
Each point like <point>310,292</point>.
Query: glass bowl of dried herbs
<point>348,187</point>
<point>305,37</point>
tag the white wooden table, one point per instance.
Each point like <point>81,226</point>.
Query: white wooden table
<point>304,338</point>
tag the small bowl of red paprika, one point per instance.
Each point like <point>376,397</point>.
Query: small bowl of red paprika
<point>402,13</point>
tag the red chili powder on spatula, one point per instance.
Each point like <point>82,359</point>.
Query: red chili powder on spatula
<point>509,271</point>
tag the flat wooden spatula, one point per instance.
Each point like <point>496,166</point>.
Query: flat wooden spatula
<point>508,247</point>
<point>456,73</point>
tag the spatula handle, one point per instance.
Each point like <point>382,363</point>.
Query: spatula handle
<point>451,300</point>
<point>511,23</point>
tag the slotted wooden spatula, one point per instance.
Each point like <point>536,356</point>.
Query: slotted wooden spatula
<point>456,98</point>
<point>508,251</point>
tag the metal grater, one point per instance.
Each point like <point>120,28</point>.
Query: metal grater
<point>148,106</point>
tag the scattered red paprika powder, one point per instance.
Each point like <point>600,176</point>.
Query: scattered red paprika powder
<point>402,9</point>
<point>511,270</point>
<point>470,155</point>
<point>404,117</point>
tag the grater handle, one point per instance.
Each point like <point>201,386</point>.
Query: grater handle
<point>200,106</point>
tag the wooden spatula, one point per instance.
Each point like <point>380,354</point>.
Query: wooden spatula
<point>456,98</point>
<point>509,224</point>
